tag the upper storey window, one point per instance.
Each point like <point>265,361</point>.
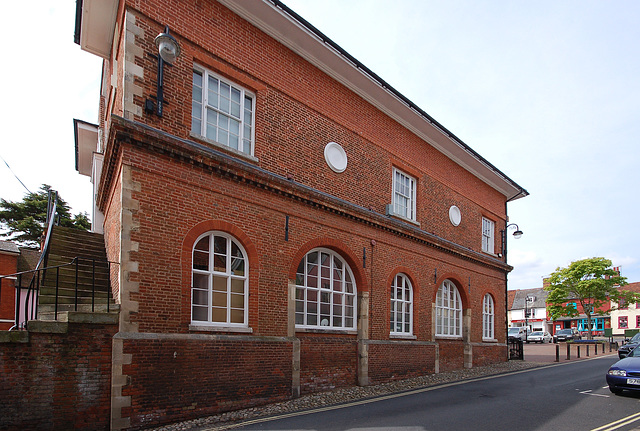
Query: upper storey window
<point>488,227</point>
<point>404,195</point>
<point>222,111</point>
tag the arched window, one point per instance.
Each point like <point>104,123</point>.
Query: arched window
<point>219,289</point>
<point>487,317</point>
<point>448,310</point>
<point>401,305</point>
<point>325,292</point>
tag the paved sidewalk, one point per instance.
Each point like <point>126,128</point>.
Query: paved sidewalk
<point>546,352</point>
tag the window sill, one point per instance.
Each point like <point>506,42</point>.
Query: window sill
<point>449,337</point>
<point>402,337</point>
<point>489,340</point>
<point>402,218</point>
<point>327,331</point>
<point>207,328</point>
<point>497,256</point>
<point>225,148</point>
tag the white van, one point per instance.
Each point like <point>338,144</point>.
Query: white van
<point>518,332</point>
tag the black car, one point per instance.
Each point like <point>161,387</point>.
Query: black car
<point>624,350</point>
<point>566,335</point>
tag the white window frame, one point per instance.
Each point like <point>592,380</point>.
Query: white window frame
<point>488,318</point>
<point>231,277</point>
<point>403,200</point>
<point>328,299</point>
<point>488,235</point>
<point>202,100</point>
<point>401,319</point>
<point>448,311</point>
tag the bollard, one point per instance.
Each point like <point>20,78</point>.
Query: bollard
<point>587,350</point>
<point>595,349</point>
<point>557,353</point>
<point>578,354</point>
<point>603,348</point>
<point>568,352</point>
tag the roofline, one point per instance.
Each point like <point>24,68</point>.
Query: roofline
<point>399,95</point>
<point>314,46</point>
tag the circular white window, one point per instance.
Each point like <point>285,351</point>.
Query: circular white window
<point>335,156</point>
<point>454,215</point>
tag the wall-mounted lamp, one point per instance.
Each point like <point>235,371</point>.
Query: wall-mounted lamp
<point>168,52</point>
<point>517,235</point>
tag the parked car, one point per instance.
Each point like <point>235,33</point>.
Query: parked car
<point>566,335</point>
<point>539,337</point>
<point>517,332</point>
<point>628,346</point>
<point>625,374</point>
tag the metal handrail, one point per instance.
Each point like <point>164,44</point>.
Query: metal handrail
<point>33,290</point>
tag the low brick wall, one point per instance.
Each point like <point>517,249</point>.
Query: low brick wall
<point>400,360</point>
<point>451,355</point>
<point>179,377</point>
<point>488,353</point>
<point>327,362</point>
<point>57,376</point>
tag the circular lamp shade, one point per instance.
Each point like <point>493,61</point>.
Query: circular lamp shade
<point>517,234</point>
<point>335,157</point>
<point>168,47</point>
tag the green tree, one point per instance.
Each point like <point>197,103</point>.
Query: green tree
<point>25,221</point>
<point>591,283</point>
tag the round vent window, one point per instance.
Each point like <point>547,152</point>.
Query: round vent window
<point>335,156</point>
<point>454,215</point>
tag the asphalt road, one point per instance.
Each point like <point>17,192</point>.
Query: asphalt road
<point>566,396</point>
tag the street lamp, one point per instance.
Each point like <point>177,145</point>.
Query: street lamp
<point>527,300</point>
<point>168,52</point>
<point>517,235</point>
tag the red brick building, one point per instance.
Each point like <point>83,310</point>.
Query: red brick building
<point>290,223</point>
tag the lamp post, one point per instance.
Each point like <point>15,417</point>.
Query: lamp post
<point>517,235</point>
<point>503,233</point>
<point>527,299</point>
<point>168,52</point>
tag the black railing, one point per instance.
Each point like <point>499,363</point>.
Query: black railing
<point>38,276</point>
<point>516,350</point>
<point>32,290</point>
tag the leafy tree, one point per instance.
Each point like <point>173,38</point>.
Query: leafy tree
<point>591,283</point>
<point>25,221</point>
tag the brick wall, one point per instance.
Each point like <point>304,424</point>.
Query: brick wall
<point>296,118</point>
<point>57,381</point>
<point>451,355</point>
<point>486,354</point>
<point>177,379</point>
<point>400,360</point>
<point>327,362</point>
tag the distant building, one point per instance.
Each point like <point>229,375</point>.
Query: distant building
<point>529,309</point>
<point>626,316</point>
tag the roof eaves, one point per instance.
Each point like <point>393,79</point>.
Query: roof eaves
<point>521,192</point>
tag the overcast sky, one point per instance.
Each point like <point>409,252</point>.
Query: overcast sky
<point>547,91</point>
